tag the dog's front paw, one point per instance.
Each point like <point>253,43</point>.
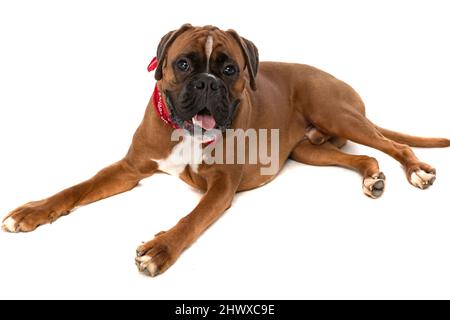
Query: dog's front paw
<point>29,216</point>
<point>156,256</point>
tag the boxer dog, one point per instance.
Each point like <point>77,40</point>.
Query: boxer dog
<point>210,80</point>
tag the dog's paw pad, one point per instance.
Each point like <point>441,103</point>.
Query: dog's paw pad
<point>374,186</point>
<point>422,179</point>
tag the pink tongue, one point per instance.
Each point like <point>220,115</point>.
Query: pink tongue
<point>207,122</point>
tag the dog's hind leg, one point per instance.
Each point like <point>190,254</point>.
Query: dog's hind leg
<point>117,178</point>
<point>354,126</point>
<point>328,154</point>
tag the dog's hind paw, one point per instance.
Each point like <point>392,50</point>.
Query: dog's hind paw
<point>374,186</point>
<point>422,179</point>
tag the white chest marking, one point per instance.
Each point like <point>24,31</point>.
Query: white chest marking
<point>187,152</point>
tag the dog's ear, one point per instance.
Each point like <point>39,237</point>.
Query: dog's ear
<point>164,45</point>
<point>251,56</point>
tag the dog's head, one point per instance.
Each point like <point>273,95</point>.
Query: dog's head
<point>202,72</point>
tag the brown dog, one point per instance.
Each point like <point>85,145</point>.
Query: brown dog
<point>207,81</point>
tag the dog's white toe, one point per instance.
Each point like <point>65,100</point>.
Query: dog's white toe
<point>145,264</point>
<point>9,225</point>
<point>422,179</point>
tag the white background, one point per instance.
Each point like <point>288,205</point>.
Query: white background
<point>74,86</point>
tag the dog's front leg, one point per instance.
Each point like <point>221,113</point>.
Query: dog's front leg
<point>157,255</point>
<point>119,177</point>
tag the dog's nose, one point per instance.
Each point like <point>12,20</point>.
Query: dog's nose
<point>206,82</point>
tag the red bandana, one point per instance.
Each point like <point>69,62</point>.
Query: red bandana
<point>158,101</point>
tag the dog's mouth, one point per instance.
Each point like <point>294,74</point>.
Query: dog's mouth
<point>203,124</point>
<point>203,121</point>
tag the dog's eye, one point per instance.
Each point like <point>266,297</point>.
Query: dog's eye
<point>229,70</point>
<point>183,65</point>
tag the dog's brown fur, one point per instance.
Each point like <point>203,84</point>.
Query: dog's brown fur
<point>315,113</point>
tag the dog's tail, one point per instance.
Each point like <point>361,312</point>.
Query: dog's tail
<point>414,141</point>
